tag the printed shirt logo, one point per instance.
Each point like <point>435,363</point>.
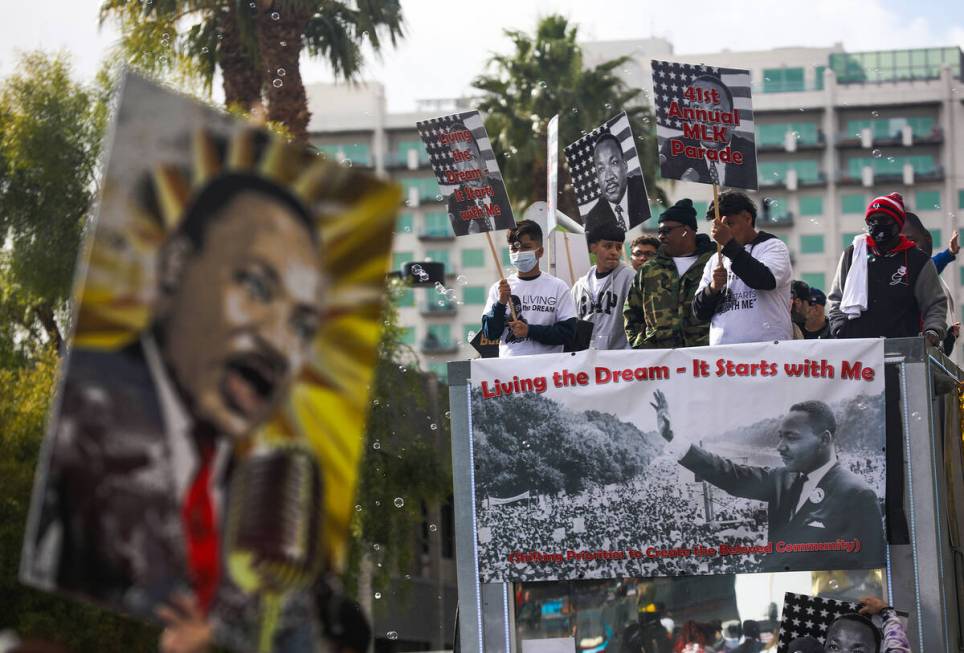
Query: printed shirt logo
<point>899,278</point>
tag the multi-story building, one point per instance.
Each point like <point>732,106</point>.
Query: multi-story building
<point>833,128</point>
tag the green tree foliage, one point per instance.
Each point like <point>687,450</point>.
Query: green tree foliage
<point>406,456</point>
<point>543,76</point>
<point>256,46</point>
<point>51,130</point>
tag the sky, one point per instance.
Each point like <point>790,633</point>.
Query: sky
<point>444,50</point>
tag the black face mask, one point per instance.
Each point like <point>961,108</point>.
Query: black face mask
<point>885,231</point>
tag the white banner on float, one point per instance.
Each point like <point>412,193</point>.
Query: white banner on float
<point>710,460</point>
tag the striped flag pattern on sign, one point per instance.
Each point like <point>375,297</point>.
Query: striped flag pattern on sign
<point>809,616</point>
<point>440,154</point>
<point>581,165</point>
<point>670,81</point>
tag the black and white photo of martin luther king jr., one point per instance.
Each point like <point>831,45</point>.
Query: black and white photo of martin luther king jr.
<point>811,499</point>
<point>480,202</point>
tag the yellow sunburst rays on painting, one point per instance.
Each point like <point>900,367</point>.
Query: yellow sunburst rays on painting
<point>355,216</point>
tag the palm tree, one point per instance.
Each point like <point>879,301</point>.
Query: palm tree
<point>544,76</point>
<point>256,44</point>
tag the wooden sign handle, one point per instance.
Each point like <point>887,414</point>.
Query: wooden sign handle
<point>498,266</point>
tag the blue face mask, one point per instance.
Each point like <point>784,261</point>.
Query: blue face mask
<point>523,261</point>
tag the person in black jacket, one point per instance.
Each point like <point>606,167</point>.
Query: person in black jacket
<point>811,499</point>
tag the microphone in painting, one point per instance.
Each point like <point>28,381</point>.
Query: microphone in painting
<point>274,526</point>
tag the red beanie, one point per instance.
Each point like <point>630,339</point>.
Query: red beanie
<point>892,205</point>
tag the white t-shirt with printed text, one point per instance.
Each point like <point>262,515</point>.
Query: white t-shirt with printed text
<point>748,315</point>
<point>544,300</point>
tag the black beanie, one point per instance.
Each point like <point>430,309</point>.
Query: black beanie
<point>682,212</point>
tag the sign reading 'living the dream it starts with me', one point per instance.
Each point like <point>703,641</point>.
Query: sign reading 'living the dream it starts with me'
<point>605,464</point>
<point>467,173</point>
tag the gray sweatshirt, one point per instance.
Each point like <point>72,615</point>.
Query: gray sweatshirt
<point>600,301</point>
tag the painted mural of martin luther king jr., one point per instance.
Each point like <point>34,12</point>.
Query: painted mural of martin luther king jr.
<point>144,440</point>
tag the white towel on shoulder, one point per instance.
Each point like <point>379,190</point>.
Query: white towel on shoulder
<point>854,299</point>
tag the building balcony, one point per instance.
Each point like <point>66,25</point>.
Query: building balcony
<point>897,139</point>
<point>396,161</point>
<point>437,308</point>
<point>436,235</point>
<point>775,219</point>
<point>432,345</point>
<point>801,145</point>
<point>934,173</point>
<point>810,181</point>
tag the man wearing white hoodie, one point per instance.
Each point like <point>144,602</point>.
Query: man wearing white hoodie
<point>599,296</point>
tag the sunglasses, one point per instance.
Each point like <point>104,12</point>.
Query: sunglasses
<point>665,231</point>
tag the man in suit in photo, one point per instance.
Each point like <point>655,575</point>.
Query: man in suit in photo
<point>145,435</point>
<point>622,198</point>
<point>741,175</point>
<point>480,203</point>
<point>811,499</point>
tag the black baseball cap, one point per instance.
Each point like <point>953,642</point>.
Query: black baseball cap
<point>817,296</point>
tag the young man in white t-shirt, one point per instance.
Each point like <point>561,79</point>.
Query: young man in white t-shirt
<point>745,293</point>
<point>546,315</point>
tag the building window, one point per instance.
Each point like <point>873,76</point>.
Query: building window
<point>425,188</point>
<point>775,172</point>
<point>402,155</point>
<point>936,239</point>
<point>811,244</point>
<point>404,223</point>
<point>700,207</point>
<point>474,295</point>
<point>811,205</point>
<point>406,298</point>
<point>401,258</point>
<point>818,77</point>
<point>782,80</point>
<point>439,256</point>
<point>892,165</point>
<point>407,335</point>
<point>847,239</point>
<point>815,280</point>
<point>854,204</point>
<point>962,275</point>
<point>436,224</point>
<point>960,199</point>
<point>441,370</point>
<point>438,335</point>
<point>506,261</point>
<point>473,258</point>
<point>927,200</point>
<point>806,133</point>
<point>469,331</point>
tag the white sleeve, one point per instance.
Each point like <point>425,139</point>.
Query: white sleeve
<point>777,259</point>
<point>565,307</point>
<point>707,273</point>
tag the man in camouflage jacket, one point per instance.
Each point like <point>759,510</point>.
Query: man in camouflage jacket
<point>658,311</point>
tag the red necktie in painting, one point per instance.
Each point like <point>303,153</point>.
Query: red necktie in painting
<point>202,534</point>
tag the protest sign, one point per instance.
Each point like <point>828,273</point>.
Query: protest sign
<point>210,418</point>
<point>675,462</point>
<point>704,124</point>
<point>467,173</point>
<point>552,171</point>
<point>607,177</point>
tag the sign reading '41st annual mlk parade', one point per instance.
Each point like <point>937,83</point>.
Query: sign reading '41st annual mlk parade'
<point>713,460</point>
<point>704,124</point>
